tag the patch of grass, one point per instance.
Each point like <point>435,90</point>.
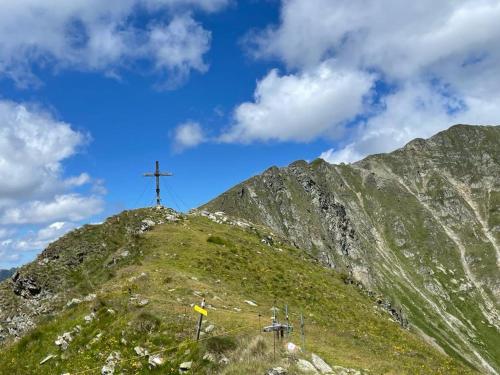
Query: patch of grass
<point>218,241</point>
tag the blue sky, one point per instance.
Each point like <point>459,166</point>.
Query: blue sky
<point>92,93</point>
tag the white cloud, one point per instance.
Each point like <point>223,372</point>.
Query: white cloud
<point>102,36</point>
<point>34,190</point>
<point>301,107</point>
<point>188,134</point>
<point>179,48</point>
<point>440,61</point>
<point>416,111</point>
<point>34,241</point>
<point>72,207</point>
<point>32,146</point>
<point>25,246</point>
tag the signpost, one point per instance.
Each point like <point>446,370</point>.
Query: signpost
<point>201,310</point>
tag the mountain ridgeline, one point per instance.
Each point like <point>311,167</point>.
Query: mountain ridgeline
<point>420,225</point>
<point>5,274</point>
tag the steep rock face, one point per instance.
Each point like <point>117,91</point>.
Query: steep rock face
<point>420,225</point>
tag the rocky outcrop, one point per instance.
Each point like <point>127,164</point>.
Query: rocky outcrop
<point>420,226</point>
<point>88,254</point>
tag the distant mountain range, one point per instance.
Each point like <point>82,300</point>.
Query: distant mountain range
<point>5,274</point>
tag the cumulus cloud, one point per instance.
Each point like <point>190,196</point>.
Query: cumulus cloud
<point>188,134</point>
<point>32,145</point>
<point>418,110</point>
<point>34,189</point>
<point>41,238</point>
<point>301,107</point>
<point>73,207</point>
<point>97,35</point>
<point>439,61</point>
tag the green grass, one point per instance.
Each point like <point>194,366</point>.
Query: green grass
<point>194,259</point>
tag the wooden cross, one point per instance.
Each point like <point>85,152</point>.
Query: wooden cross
<point>157,174</point>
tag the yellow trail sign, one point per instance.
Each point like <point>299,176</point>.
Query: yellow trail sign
<point>200,310</point>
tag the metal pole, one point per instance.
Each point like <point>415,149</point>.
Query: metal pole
<point>287,321</point>
<point>198,331</point>
<point>302,332</point>
<point>157,175</point>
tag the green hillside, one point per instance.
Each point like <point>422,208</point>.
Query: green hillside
<point>146,279</point>
<point>421,225</point>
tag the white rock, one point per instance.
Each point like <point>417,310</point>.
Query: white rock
<point>89,298</point>
<point>74,301</point>
<point>251,303</point>
<point>306,366</point>
<point>223,360</point>
<point>143,302</point>
<point>156,360</point>
<point>209,357</point>
<point>185,367</point>
<point>141,351</point>
<point>61,342</point>
<point>210,328</point>
<point>108,369</point>
<point>89,318</point>
<point>321,365</point>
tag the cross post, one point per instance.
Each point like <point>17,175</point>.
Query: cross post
<point>157,174</point>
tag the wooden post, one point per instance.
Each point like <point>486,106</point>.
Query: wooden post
<point>200,320</point>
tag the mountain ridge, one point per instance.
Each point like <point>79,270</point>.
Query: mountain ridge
<point>419,224</point>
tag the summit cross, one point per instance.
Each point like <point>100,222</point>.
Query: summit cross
<point>158,174</point>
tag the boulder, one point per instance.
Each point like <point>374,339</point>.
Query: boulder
<point>321,365</point>
<point>25,286</point>
<point>306,367</point>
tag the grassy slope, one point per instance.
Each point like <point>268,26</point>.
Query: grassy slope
<point>181,263</point>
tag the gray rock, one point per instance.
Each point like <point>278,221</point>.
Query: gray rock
<point>74,301</point>
<point>306,367</point>
<point>210,328</point>
<point>209,357</point>
<point>111,361</point>
<point>141,351</point>
<point>155,360</point>
<point>321,365</point>
<point>185,367</point>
